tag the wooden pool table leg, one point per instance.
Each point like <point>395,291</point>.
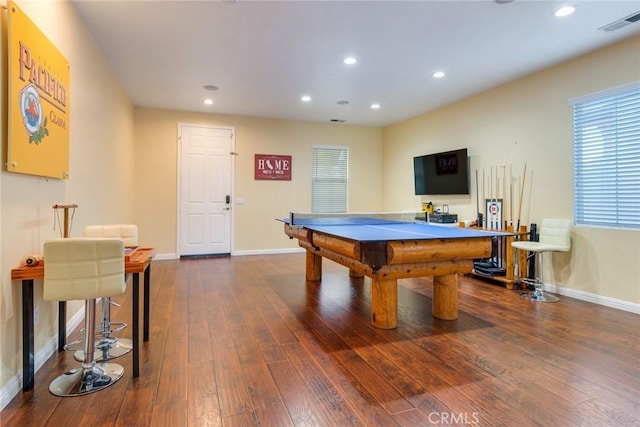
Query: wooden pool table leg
<point>445,297</point>
<point>384,303</point>
<point>355,272</point>
<point>314,266</point>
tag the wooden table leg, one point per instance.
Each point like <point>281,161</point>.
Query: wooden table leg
<point>135,324</point>
<point>384,303</point>
<point>356,272</point>
<point>28,337</point>
<point>146,303</point>
<point>314,266</point>
<point>62,325</point>
<point>445,297</point>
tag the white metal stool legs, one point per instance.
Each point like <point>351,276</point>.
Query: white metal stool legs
<point>89,377</point>
<point>538,292</point>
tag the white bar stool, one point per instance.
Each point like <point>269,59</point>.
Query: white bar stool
<point>110,346</point>
<point>555,236</point>
<point>76,269</point>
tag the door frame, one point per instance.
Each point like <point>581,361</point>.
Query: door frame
<point>231,129</point>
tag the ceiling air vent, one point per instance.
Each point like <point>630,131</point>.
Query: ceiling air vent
<point>634,17</point>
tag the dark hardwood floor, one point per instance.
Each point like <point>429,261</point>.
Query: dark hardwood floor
<point>244,341</point>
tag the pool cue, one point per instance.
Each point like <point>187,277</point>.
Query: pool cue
<point>498,196</point>
<point>504,195</point>
<point>524,175</point>
<point>530,198</point>
<point>477,198</point>
<point>501,193</point>
<point>495,198</point>
<point>510,195</point>
<point>490,196</point>
<point>496,223</point>
<point>484,201</point>
<point>494,185</point>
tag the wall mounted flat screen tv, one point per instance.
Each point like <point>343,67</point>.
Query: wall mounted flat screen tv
<point>441,173</point>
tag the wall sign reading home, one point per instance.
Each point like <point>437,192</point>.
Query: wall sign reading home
<point>272,167</point>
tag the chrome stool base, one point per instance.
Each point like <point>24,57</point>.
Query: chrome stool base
<point>82,381</point>
<point>108,349</point>
<point>538,294</point>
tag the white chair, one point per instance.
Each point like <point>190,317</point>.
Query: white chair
<point>84,269</point>
<point>110,346</point>
<point>127,232</point>
<point>555,236</point>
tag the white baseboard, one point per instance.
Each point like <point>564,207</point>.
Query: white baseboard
<point>14,385</point>
<point>163,257</point>
<point>170,256</point>
<point>593,298</point>
<point>268,251</point>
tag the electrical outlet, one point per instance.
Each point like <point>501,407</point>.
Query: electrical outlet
<point>35,316</point>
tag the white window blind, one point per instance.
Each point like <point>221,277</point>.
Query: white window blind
<point>330,179</point>
<point>606,139</point>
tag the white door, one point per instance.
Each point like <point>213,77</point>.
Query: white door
<point>205,189</point>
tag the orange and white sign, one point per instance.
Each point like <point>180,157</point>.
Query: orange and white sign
<point>38,101</point>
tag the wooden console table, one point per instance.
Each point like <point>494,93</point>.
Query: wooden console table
<point>136,262</point>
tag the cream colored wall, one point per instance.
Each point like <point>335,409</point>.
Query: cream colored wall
<point>101,173</point>
<point>255,228</point>
<point>528,120</point>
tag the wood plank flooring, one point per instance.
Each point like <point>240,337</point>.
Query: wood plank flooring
<point>245,341</point>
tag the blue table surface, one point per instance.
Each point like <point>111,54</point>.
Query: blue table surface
<point>369,230</point>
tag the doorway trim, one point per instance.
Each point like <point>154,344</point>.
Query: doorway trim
<point>233,153</point>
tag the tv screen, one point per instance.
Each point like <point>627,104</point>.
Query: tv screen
<point>441,173</point>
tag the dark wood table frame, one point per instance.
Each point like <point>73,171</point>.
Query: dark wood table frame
<point>138,262</point>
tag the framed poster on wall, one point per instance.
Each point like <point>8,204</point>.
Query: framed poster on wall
<point>38,125</point>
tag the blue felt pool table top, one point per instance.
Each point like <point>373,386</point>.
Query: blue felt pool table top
<point>373,230</point>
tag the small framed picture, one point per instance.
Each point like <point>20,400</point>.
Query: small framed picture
<point>493,216</point>
<point>272,167</point>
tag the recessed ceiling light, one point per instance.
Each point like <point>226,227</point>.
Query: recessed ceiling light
<point>350,60</point>
<point>564,11</point>
<point>375,106</point>
<point>438,75</point>
<point>305,98</point>
<point>208,101</point>
<point>210,87</point>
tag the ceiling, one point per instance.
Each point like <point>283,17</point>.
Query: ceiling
<point>264,55</point>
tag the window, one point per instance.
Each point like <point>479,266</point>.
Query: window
<point>606,155</point>
<point>330,179</point>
